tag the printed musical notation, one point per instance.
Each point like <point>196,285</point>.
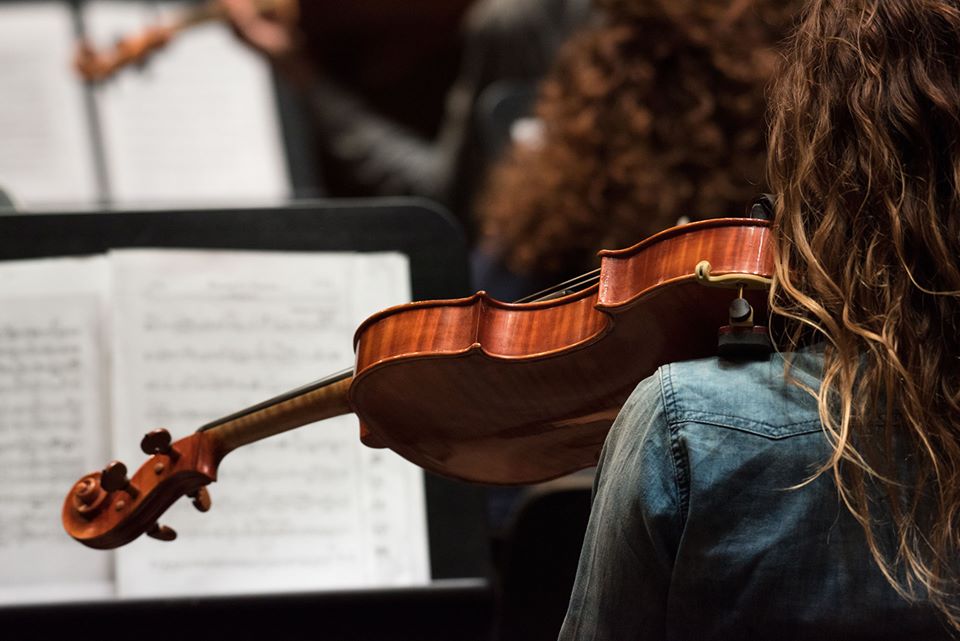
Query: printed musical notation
<point>52,424</point>
<point>44,362</point>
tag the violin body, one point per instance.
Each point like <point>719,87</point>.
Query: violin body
<point>500,393</point>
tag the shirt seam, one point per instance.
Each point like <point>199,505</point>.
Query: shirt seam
<point>697,415</point>
<point>680,475</point>
<point>814,427</point>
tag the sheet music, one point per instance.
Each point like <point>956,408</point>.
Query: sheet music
<point>46,157</point>
<point>53,425</point>
<point>199,335</point>
<point>197,123</point>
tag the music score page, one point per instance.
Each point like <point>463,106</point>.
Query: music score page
<point>47,156</point>
<point>197,123</point>
<point>53,424</point>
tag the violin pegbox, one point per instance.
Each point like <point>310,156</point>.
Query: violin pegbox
<point>107,509</point>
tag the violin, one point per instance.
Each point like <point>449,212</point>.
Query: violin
<point>99,65</point>
<point>477,389</point>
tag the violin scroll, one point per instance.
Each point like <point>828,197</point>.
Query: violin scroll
<point>108,509</point>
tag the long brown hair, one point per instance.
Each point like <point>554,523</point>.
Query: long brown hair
<point>653,114</point>
<point>865,157</point>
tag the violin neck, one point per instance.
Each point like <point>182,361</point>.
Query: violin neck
<point>314,402</point>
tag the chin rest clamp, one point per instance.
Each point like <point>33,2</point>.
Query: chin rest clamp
<point>741,338</point>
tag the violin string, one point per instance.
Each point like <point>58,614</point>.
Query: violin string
<point>572,284</point>
<point>561,289</point>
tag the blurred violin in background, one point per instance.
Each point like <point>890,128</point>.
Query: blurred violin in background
<point>97,65</point>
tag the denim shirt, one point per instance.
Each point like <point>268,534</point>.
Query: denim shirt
<point>699,531</point>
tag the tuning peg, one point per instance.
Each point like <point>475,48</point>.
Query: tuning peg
<point>158,442</point>
<point>161,532</point>
<point>114,477</point>
<point>201,499</point>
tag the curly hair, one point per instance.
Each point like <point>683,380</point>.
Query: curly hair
<point>865,156</point>
<point>654,114</point>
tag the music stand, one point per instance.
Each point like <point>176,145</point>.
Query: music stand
<point>459,600</point>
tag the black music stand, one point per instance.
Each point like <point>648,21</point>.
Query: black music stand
<point>458,603</point>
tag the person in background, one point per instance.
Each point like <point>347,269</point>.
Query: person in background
<point>654,114</point>
<point>373,141</point>
<point>814,494</point>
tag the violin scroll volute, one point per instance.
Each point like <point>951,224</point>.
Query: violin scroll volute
<point>108,509</point>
